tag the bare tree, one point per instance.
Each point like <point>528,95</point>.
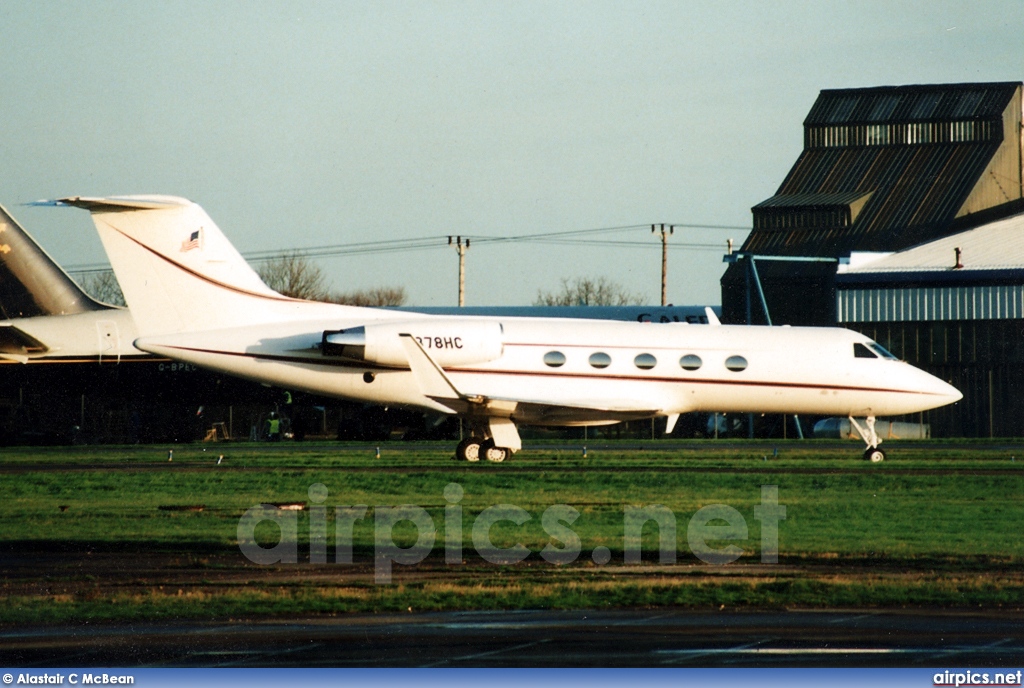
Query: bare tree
<point>378,296</point>
<point>294,275</point>
<point>584,291</point>
<point>102,286</point>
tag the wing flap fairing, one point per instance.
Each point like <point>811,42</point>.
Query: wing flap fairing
<point>18,345</point>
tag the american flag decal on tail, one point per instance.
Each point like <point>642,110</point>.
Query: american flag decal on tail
<point>193,241</point>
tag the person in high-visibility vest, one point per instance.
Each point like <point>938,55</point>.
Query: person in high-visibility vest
<point>273,428</point>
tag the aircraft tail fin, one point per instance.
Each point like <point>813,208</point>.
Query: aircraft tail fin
<point>31,282</point>
<point>178,271</point>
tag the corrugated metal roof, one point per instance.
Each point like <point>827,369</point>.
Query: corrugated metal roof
<point>919,103</point>
<point>813,200</point>
<point>917,191</point>
<point>916,188</point>
<point>918,151</point>
<point>995,246</point>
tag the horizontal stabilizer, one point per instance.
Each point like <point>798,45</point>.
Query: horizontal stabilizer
<point>114,204</point>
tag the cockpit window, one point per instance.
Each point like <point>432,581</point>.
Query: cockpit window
<point>861,351</point>
<point>883,352</point>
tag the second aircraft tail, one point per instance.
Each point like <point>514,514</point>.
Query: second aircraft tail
<point>31,283</point>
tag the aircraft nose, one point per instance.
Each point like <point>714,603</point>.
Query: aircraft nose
<point>942,390</point>
<point>953,393</point>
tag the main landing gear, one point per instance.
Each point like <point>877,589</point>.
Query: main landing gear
<point>494,438</point>
<point>493,434</point>
<point>870,437</point>
<point>473,449</point>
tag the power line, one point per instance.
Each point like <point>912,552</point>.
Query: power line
<point>355,248</point>
<point>426,243</point>
<point>563,238</point>
<point>577,232</point>
<point>635,244</point>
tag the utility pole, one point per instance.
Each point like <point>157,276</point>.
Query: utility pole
<point>461,248</point>
<point>664,258</point>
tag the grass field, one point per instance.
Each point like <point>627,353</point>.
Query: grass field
<point>122,532</point>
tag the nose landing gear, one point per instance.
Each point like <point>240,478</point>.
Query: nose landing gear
<point>874,455</point>
<point>870,437</point>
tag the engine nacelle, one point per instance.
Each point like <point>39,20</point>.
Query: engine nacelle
<point>449,342</point>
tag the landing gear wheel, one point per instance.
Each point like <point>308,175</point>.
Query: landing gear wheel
<point>874,455</point>
<point>468,450</point>
<point>493,453</point>
<point>870,437</point>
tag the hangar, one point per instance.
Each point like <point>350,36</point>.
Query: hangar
<point>903,218</point>
<point>955,307</point>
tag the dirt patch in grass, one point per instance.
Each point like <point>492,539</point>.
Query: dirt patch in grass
<point>109,586</point>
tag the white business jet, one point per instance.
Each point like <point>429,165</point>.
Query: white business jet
<point>196,300</point>
<point>45,318</point>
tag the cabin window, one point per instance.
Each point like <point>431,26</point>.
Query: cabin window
<point>690,362</point>
<point>736,363</point>
<point>861,351</point>
<point>600,360</point>
<point>645,361</point>
<point>554,359</point>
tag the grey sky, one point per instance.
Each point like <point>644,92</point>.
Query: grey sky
<point>311,123</point>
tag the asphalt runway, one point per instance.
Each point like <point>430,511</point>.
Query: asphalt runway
<point>621,638</point>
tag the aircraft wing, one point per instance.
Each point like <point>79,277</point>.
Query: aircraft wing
<point>554,410</point>
<point>436,384</point>
<point>17,345</point>
<point>580,412</point>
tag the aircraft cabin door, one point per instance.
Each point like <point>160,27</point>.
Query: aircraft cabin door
<point>109,339</point>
